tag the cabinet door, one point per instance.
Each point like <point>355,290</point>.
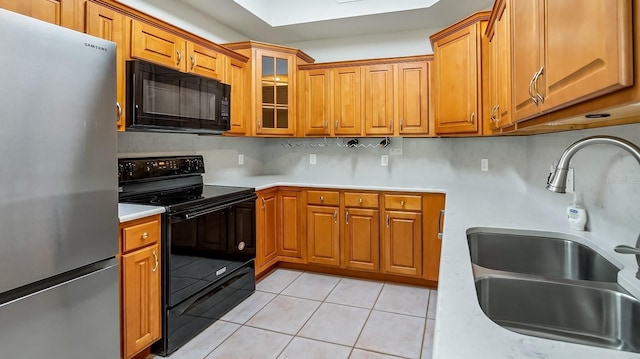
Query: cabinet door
<point>527,55</point>
<point>361,239</point>
<point>291,239</point>
<point>323,232</point>
<point>402,244</point>
<point>317,102</point>
<point>236,76</point>
<point>205,61</point>
<point>275,93</point>
<point>140,299</point>
<point>456,82</point>
<point>503,71</point>
<point>267,230</point>
<point>413,98</point>
<point>433,214</point>
<point>156,45</point>
<point>67,13</point>
<point>109,25</point>
<point>347,99</point>
<point>600,32</point>
<point>378,99</point>
<point>493,79</point>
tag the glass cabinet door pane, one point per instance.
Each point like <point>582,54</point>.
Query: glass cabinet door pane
<point>268,67</point>
<point>282,67</point>
<point>267,93</point>
<point>282,94</point>
<point>283,118</point>
<point>268,117</point>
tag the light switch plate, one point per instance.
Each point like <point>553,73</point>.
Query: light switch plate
<point>312,159</point>
<point>384,160</point>
<point>241,159</point>
<point>484,164</point>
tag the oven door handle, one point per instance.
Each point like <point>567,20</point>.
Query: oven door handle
<point>194,214</point>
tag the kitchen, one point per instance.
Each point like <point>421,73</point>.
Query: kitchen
<point>510,194</point>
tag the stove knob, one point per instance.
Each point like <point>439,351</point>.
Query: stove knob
<point>120,170</point>
<point>188,166</point>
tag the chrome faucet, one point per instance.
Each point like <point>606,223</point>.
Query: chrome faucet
<point>557,180</point>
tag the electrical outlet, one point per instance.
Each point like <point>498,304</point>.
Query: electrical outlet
<point>484,164</point>
<point>241,159</point>
<point>570,183</point>
<point>384,160</point>
<point>312,159</point>
<point>395,152</point>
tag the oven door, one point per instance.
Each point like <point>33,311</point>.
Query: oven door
<point>204,244</point>
<point>163,99</point>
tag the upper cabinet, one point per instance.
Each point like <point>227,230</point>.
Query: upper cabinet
<point>236,76</point>
<point>67,13</point>
<point>568,51</point>
<point>154,44</point>
<point>457,76</point>
<point>499,77</point>
<point>378,97</point>
<point>272,73</point>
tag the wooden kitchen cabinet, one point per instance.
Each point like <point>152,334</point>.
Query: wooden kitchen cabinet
<point>236,76</point>
<point>323,228</point>
<point>108,24</point>
<point>433,214</point>
<point>154,44</point>
<point>140,279</point>
<point>547,74</point>
<point>378,100</point>
<point>402,238</point>
<point>67,13</point>
<point>331,104</point>
<point>291,244</point>
<point>266,229</point>
<point>413,98</point>
<point>361,232</point>
<point>499,35</point>
<point>457,76</point>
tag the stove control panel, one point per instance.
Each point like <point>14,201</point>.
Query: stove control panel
<point>134,169</point>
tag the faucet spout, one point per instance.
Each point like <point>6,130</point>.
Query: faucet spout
<point>557,180</point>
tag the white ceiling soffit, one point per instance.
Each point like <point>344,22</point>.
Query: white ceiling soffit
<point>288,21</point>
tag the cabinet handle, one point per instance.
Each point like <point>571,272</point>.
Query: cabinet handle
<point>321,198</point>
<point>119,110</point>
<point>335,124</point>
<point>533,98</point>
<point>259,124</point>
<point>326,123</point>
<point>401,124</point>
<point>335,216</point>
<point>472,117</point>
<point>439,225</point>
<point>390,123</point>
<point>144,235</point>
<point>402,203</point>
<point>360,200</point>
<point>179,57</point>
<point>535,84</point>
<point>346,218</point>
<point>263,202</point>
<point>193,61</point>
<point>387,221</point>
<point>155,255</point>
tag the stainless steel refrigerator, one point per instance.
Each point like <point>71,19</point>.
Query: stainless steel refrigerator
<point>59,295</point>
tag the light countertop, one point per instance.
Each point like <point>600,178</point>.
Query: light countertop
<point>462,330</point>
<point>129,212</point>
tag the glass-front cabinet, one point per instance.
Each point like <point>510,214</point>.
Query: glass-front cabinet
<point>276,95</point>
<point>273,73</point>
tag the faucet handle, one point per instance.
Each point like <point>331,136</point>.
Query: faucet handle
<point>627,249</point>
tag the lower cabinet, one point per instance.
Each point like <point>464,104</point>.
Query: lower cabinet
<point>290,242</point>
<point>323,235</point>
<point>402,243</point>
<point>361,239</point>
<point>140,279</point>
<point>266,229</point>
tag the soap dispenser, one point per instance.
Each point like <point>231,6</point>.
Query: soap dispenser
<point>576,214</point>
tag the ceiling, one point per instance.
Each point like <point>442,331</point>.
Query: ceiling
<point>327,19</point>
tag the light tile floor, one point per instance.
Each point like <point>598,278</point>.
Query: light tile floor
<point>304,315</point>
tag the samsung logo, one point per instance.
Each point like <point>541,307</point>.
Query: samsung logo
<point>95,47</point>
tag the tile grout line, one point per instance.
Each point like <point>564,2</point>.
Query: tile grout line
<point>424,332</point>
<point>225,339</point>
<point>368,316</point>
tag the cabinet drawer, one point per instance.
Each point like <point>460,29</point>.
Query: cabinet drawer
<point>323,198</point>
<point>361,200</point>
<point>403,202</point>
<point>140,235</point>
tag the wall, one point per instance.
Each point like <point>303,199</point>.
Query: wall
<point>220,153</point>
<point>607,176</point>
<point>181,15</point>
<point>406,43</point>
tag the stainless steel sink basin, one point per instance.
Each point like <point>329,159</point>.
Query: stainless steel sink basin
<point>561,311</point>
<point>538,255</point>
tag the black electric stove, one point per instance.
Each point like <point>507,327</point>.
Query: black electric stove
<point>208,242</point>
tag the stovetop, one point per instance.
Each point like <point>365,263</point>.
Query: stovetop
<point>172,182</point>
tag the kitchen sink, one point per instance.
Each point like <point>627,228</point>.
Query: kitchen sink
<point>568,312</point>
<point>539,255</point>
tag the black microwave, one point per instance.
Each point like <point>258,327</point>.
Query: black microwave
<point>166,100</point>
